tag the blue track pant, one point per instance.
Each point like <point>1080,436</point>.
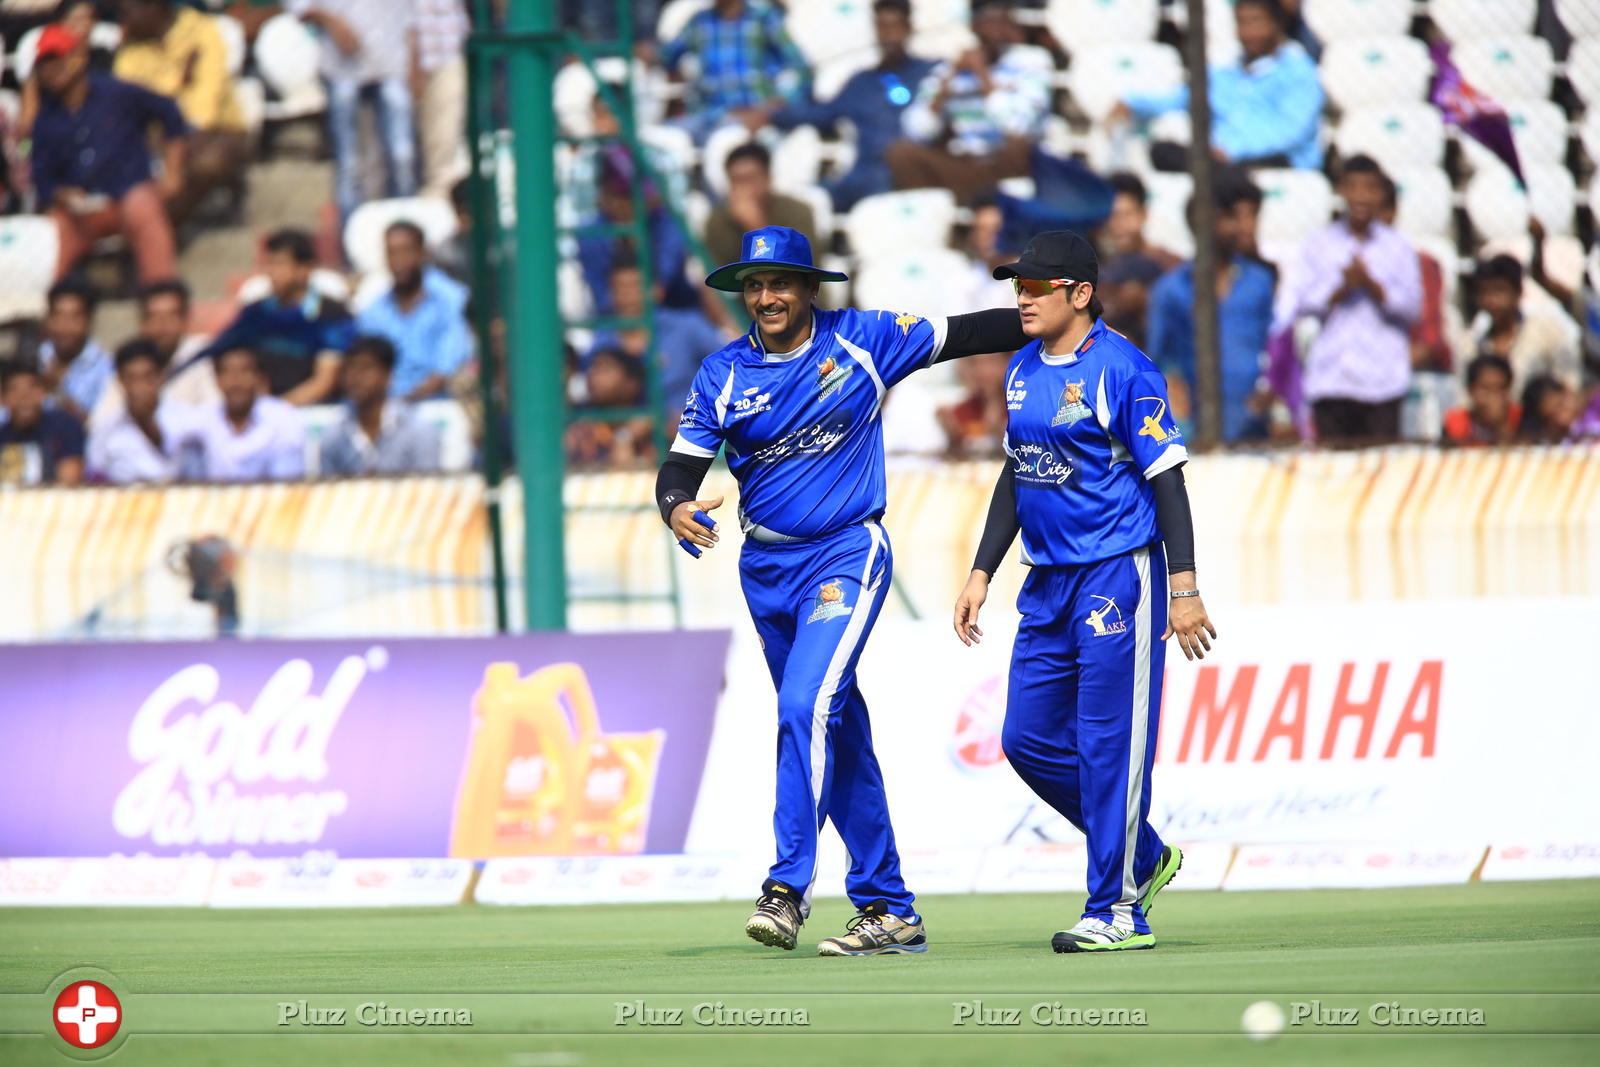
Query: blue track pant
<point>814,603</point>
<point>1082,710</point>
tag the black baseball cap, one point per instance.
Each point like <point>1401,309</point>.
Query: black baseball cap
<point>1055,254</point>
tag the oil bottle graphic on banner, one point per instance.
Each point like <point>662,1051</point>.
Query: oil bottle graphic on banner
<point>542,778</point>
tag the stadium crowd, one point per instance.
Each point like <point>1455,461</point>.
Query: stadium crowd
<point>1378,277</point>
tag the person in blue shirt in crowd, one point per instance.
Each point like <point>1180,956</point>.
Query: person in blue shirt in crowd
<point>1093,480</point>
<point>1245,287</point>
<point>423,314</point>
<point>76,367</point>
<point>872,100</point>
<point>681,336</point>
<point>797,401</point>
<point>298,334</point>
<point>1265,107</point>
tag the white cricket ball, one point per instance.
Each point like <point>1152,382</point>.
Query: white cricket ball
<point>1262,1020</point>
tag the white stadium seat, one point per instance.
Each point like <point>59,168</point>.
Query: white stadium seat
<point>1507,68</point>
<point>1294,203</point>
<point>909,219</point>
<point>941,27</point>
<point>1425,201</point>
<point>1168,204</point>
<point>1590,133</point>
<point>232,31</point>
<point>1594,200</point>
<point>830,75</point>
<point>797,160</point>
<point>1076,24</point>
<point>1539,129</point>
<point>924,283</point>
<point>821,204</point>
<point>27,51</point>
<point>287,58</point>
<point>1338,20</point>
<point>29,246</point>
<point>1396,136</point>
<point>1580,17</point>
<point>1101,77</point>
<point>822,29</point>
<point>1583,70</point>
<point>1368,71</point>
<point>1466,20</point>
<point>675,15</point>
<point>363,233</point>
<point>1499,208</point>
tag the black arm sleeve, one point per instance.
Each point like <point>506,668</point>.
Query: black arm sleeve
<point>1000,528</point>
<point>678,480</point>
<point>995,330</point>
<point>1172,515</point>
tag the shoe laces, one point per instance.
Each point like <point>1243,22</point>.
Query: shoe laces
<point>860,920</point>
<point>774,905</point>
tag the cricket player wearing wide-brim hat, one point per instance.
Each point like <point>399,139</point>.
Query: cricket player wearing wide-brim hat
<point>1093,480</point>
<point>796,403</point>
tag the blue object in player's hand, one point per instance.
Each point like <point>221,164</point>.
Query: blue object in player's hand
<point>704,520</point>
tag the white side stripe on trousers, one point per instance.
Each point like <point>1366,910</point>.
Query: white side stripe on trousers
<point>853,634</point>
<point>1122,911</point>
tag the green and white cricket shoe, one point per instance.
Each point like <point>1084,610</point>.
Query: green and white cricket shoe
<point>777,919</point>
<point>874,932</point>
<point>1168,865</point>
<point>1094,935</point>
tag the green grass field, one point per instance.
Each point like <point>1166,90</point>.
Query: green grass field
<point>1527,955</point>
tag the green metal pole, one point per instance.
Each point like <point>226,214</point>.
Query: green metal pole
<point>485,306</point>
<point>534,323</point>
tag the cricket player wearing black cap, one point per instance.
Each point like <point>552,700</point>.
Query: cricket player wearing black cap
<point>1094,482</point>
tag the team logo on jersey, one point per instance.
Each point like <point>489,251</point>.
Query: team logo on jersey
<point>829,603</point>
<point>906,320</point>
<point>1152,423</point>
<point>1071,408</point>
<point>1099,620</point>
<point>762,250</point>
<point>751,404</point>
<point>830,375</point>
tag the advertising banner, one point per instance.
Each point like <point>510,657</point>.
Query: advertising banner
<point>1409,724</point>
<point>555,744</point>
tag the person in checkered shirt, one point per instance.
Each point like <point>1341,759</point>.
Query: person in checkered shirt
<point>746,62</point>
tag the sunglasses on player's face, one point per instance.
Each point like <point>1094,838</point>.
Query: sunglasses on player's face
<point>1037,287</point>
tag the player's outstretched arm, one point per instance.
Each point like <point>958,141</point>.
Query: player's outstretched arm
<point>1187,613</point>
<point>994,330</point>
<point>999,530</point>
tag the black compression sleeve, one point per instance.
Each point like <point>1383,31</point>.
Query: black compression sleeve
<point>995,330</point>
<point>678,480</point>
<point>1000,528</point>
<point>1174,518</point>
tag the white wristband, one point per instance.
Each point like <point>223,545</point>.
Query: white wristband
<point>1185,592</point>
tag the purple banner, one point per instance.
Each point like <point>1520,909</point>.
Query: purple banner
<point>552,744</point>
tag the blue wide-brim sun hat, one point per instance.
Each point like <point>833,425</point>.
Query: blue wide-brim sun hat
<point>770,248</point>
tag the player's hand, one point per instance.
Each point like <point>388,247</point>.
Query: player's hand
<point>967,607</point>
<point>1188,619</point>
<point>685,528</point>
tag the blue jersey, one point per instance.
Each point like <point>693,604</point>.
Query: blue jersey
<point>1085,433</point>
<point>802,430</point>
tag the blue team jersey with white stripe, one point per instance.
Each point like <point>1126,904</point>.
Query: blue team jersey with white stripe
<point>1085,432</point>
<point>802,430</point>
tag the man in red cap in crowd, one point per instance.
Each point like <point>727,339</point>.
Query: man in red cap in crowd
<point>91,158</point>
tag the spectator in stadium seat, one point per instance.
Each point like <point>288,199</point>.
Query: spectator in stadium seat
<point>975,118</point>
<point>747,67</point>
<point>1265,108</point>
<point>439,86</point>
<point>186,376</point>
<point>1553,411</point>
<point>683,336</point>
<point>454,256</point>
<point>1535,338</point>
<point>1491,416</point>
<point>91,159</point>
<point>751,204</point>
<point>1129,263</point>
<point>1430,344</point>
<point>874,101</point>
<point>1361,281</point>
<point>76,367</point>
<point>613,380</point>
<point>146,440</point>
<point>975,424</point>
<point>424,314</point>
<point>298,334</point>
<point>250,436</point>
<point>1244,288</point>
<point>366,57</point>
<point>39,445</point>
<point>174,50</point>
<point>1582,302</point>
<point>379,434</point>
